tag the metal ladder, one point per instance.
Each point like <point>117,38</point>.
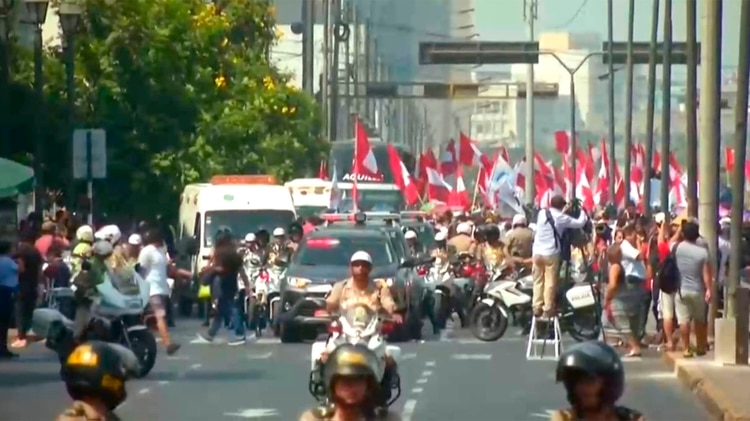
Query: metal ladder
<point>535,342</point>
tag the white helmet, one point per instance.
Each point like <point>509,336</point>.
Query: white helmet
<point>410,235</point>
<point>361,256</point>
<point>85,233</point>
<point>250,238</point>
<point>279,232</point>
<point>441,236</point>
<point>110,233</point>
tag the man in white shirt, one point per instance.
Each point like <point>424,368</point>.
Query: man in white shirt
<point>550,225</point>
<point>154,267</point>
<point>632,259</point>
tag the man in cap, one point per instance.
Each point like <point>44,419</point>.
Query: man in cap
<point>519,239</point>
<point>462,242</point>
<point>359,288</point>
<point>413,242</point>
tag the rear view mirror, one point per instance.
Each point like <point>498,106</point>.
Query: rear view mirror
<point>407,263</point>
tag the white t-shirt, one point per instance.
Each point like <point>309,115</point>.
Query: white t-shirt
<point>630,265</point>
<point>154,267</point>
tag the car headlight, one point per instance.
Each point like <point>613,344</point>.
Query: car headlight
<point>387,281</point>
<point>299,283</point>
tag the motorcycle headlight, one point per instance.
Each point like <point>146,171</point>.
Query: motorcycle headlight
<point>299,283</point>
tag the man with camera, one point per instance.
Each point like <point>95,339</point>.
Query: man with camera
<point>548,244</point>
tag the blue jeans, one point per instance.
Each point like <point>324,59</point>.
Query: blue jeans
<point>226,308</point>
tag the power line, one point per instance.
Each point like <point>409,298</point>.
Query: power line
<point>572,18</point>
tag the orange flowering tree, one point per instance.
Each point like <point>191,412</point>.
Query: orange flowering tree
<point>185,90</point>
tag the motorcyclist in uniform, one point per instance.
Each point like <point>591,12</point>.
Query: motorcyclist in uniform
<point>360,289</point>
<point>462,242</point>
<point>295,236</point>
<point>594,378</point>
<point>412,241</point>
<point>492,251</point>
<point>92,273</point>
<point>82,248</point>
<point>249,245</point>
<point>352,387</point>
<point>94,375</point>
<point>440,252</point>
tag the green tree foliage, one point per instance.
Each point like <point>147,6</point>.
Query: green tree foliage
<point>185,91</point>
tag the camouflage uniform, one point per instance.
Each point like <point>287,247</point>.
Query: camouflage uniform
<point>376,296</point>
<point>81,411</point>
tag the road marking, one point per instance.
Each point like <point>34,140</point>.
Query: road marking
<point>430,363</point>
<point>427,373</point>
<point>466,357</point>
<point>265,356</point>
<point>144,391</point>
<point>268,341</point>
<point>178,358</point>
<point>196,366</point>
<point>253,413</point>
<point>408,356</point>
<point>546,414</point>
<point>417,390</point>
<point>408,410</point>
<point>422,381</point>
<point>163,382</point>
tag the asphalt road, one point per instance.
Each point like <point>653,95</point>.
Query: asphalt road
<point>447,378</point>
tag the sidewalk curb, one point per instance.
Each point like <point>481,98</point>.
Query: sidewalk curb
<point>715,401</point>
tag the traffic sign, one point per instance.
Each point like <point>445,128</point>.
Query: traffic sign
<point>89,154</point>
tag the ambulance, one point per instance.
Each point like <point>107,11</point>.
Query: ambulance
<point>311,196</point>
<point>242,203</point>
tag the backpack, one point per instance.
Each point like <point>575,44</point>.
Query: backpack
<point>668,275</point>
<point>562,241</point>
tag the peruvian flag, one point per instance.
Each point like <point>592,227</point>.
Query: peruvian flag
<point>448,159</point>
<point>469,154</point>
<point>437,188</point>
<point>458,197</point>
<point>364,159</point>
<point>401,176</point>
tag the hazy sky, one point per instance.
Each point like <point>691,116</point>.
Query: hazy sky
<point>502,20</point>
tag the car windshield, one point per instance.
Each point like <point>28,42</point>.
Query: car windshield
<point>374,201</point>
<point>358,316</point>
<point>243,222</point>
<point>307,211</point>
<point>338,251</point>
<point>425,234</point>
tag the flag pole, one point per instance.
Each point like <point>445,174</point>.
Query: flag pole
<point>358,125</point>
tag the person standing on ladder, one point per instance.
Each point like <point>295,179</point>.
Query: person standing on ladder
<point>550,225</point>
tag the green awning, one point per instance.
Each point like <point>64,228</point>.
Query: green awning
<point>15,178</point>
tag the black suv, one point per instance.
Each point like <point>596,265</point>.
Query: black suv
<point>321,260</point>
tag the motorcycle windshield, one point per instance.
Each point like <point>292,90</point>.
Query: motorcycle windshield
<point>124,281</point>
<point>359,316</point>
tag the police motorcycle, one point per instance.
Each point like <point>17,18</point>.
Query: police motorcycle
<point>437,277</point>
<point>358,324</point>
<point>116,317</point>
<point>262,306</point>
<point>508,297</point>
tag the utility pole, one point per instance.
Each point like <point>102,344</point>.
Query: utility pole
<point>357,62</point>
<point>628,110</point>
<point>649,158</point>
<point>530,16</point>
<point>692,108</point>
<point>334,29</point>
<point>368,65</point>
<point>709,142</point>
<point>326,79</point>
<point>610,103</point>
<point>308,47</point>
<point>666,110</point>
<point>735,335</point>
<point>348,68</point>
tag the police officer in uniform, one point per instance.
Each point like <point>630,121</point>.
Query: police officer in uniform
<point>352,387</point>
<point>295,236</point>
<point>462,242</point>
<point>360,289</point>
<point>594,378</point>
<point>94,375</point>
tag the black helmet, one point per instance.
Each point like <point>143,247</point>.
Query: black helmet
<point>224,233</point>
<point>592,358</point>
<point>295,228</point>
<point>99,370</point>
<point>350,360</point>
<point>491,232</point>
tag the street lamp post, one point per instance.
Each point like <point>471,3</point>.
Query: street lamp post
<point>70,21</point>
<point>573,140</point>
<point>6,6</point>
<point>37,13</point>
